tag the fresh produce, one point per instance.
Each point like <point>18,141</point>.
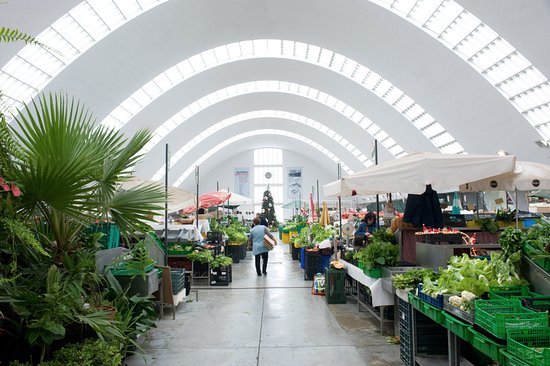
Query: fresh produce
<point>472,275</point>
<point>302,240</point>
<point>321,233</point>
<point>221,261</point>
<point>336,265</point>
<point>412,278</point>
<point>505,215</point>
<point>487,224</point>
<point>201,256</point>
<point>378,254</point>
<point>464,301</point>
<point>511,240</point>
<point>383,235</point>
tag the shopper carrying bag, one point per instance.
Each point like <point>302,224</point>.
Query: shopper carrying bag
<point>259,246</point>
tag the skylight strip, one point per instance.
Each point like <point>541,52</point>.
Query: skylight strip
<point>255,87</point>
<point>254,133</point>
<point>68,36</point>
<point>458,30</point>
<point>243,117</point>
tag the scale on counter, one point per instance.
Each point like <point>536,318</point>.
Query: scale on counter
<point>348,229</point>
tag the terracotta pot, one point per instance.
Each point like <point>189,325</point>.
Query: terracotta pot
<point>109,310</point>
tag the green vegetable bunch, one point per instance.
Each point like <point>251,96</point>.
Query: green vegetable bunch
<point>201,256</point>
<point>487,224</point>
<point>511,240</point>
<point>412,278</point>
<point>221,261</point>
<point>302,240</point>
<point>538,239</point>
<point>380,253</point>
<point>505,215</point>
<point>385,235</point>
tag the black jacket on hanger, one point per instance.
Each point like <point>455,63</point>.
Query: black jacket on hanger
<point>424,209</point>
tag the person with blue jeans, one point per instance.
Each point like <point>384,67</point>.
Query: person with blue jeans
<point>258,249</point>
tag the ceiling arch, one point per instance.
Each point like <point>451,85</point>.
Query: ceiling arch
<point>299,51</point>
<point>218,127</point>
<point>260,86</point>
<point>487,52</point>
<point>250,134</point>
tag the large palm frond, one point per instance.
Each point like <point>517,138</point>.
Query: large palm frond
<point>131,208</point>
<point>58,156</point>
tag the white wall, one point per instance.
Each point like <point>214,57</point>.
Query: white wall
<point>224,170</point>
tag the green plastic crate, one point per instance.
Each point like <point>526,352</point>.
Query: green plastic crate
<point>335,292</point>
<point>510,360</point>
<point>121,270</point>
<point>111,237</point>
<point>507,292</point>
<point>415,301</point>
<point>530,345</point>
<point>543,262</point>
<point>437,315</point>
<point>497,316</point>
<point>458,327</point>
<point>487,346</point>
<point>373,272</point>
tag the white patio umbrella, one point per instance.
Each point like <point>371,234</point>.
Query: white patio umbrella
<point>177,198</point>
<point>411,174</point>
<point>527,176</point>
<point>237,199</point>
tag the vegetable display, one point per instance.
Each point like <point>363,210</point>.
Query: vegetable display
<point>412,278</point>
<point>473,275</point>
<point>378,254</point>
<point>464,301</point>
<point>201,256</point>
<point>221,261</point>
<point>511,240</point>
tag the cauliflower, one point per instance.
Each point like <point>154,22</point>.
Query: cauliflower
<point>455,301</point>
<point>467,296</point>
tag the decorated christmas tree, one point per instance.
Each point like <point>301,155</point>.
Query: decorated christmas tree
<point>268,208</point>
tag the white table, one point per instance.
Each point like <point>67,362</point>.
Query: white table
<point>380,296</point>
<point>186,232</point>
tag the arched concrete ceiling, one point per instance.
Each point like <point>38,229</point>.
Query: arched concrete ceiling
<point>458,97</point>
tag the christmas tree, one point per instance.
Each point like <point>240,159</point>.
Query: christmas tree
<point>268,208</point>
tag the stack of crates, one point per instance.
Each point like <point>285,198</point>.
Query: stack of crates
<point>178,280</point>
<point>431,338</point>
<point>220,276</point>
<point>335,286</point>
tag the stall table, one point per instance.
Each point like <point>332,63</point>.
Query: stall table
<point>380,296</point>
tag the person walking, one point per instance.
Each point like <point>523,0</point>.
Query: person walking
<point>258,249</point>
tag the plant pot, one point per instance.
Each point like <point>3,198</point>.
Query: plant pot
<point>110,311</point>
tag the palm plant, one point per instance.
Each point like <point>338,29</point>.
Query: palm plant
<point>71,170</point>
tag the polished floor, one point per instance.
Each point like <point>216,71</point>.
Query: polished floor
<point>267,320</point>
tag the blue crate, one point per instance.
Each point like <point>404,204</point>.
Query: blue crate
<point>302,257</point>
<point>325,263</point>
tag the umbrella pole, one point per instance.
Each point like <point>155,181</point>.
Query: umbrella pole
<point>197,205</point>
<point>318,208</point>
<point>377,197</point>
<point>517,211</point>
<point>166,206</point>
<point>217,206</point>
<point>339,214</point>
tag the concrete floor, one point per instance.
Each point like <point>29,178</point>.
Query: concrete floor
<point>267,320</point>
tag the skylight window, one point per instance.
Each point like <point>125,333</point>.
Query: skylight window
<point>249,134</point>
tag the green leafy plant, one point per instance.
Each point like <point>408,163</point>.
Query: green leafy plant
<point>511,240</point>
<point>505,215</point>
<point>379,254</point>
<point>383,235</point>
<point>487,224</point>
<point>412,278</point>
<point>201,256</point>
<point>91,352</point>
<point>221,261</point>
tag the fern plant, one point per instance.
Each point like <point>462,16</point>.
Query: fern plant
<point>9,35</point>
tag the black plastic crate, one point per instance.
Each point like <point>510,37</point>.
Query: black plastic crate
<point>214,237</point>
<point>312,265</point>
<point>334,286</point>
<point>220,276</point>
<point>295,252</point>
